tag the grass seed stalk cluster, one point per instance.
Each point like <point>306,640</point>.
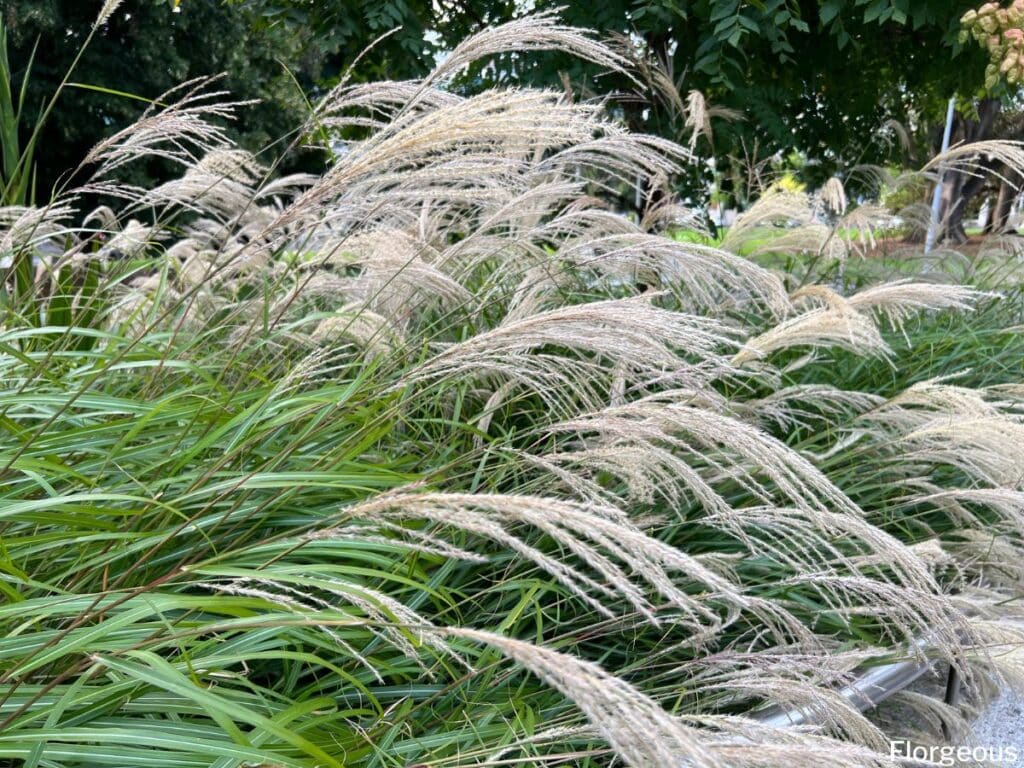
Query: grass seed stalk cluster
<point>435,459</point>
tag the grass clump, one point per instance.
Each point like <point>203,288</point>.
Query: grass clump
<point>311,459</point>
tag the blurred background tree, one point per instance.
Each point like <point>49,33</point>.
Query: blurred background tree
<point>824,78</point>
<point>405,35</point>
<point>833,82</point>
<point>144,50</point>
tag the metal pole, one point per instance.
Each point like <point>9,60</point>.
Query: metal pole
<point>933,224</point>
<point>952,695</point>
<point>867,691</point>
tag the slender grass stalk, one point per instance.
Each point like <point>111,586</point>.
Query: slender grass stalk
<point>290,476</point>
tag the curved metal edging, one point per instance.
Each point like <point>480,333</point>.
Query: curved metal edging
<point>869,690</point>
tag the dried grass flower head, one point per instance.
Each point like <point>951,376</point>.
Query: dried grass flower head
<point>106,11</point>
<point>634,424</point>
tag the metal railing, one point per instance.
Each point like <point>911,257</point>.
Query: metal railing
<point>869,690</point>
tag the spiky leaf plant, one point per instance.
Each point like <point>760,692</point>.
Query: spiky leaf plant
<point>435,460</point>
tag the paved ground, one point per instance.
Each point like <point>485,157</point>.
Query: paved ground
<point>1001,725</point>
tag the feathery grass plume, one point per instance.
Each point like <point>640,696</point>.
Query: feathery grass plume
<point>837,324</point>
<point>989,450</point>
<point>106,11</point>
<point>904,614</point>
<point>302,604</point>
<point>833,197</point>
<point>615,158</point>
<point>494,402</point>
<point>1006,503</point>
<point>973,158</point>
<point>219,185</point>
<point>740,451</point>
<point>179,126</point>
<point>458,152</point>
<point>191,263</point>
<point>651,473</point>
<point>906,143</point>
<point>697,118</point>
<point>820,665</point>
<point>396,277</point>
<point>399,626</point>
<point>379,103</point>
<point>801,405</point>
<point>652,345</point>
<point>799,214</point>
<point>814,693</point>
<point>138,299</point>
<point>643,734</point>
<point>894,301</point>
<point>283,188</point>
<point>936,721</point>
<point>859,226</point>
<point>900,300</point>
<point>956,427</point>
<point>699,114</point>
<point>546,735</point>
<point>653,72</point>
<point>25,227</point>
<point>816,542</point>
<point>813,238</point>
<point>389,534</point>
<point>981,558</point>
<point>130,241</point>
<point>926,400</point>
<point>640,731</point>
<point>998,655</point>
<point>667,212</point>
<point>599,536</point>
<point>356,324</point>
<point>874,179</point>
<point>741,741</point>
<point>536,32</point>
<point>537,290</point>
<point>774,208</point>
<point>709,277</point>
<point>528,213</point>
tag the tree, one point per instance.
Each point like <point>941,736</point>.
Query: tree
<point>825,78</point>
<point>144,49</point>
<point>819,76</point>
<point>841,82</point>
<point>405,35</point>
<point>998,32</point>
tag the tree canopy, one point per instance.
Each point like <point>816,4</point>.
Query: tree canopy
<point>821,77</point>
<point>139,53</point>
<point>818,76</point>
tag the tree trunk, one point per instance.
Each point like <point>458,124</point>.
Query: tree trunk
<point>999,216</point>
<point>957,187</point>
<point>1009,188</point>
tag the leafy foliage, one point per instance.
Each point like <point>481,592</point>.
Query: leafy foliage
<point>405,35</point>
<point>999,31</point>
<point>339,443</point>
<point>820,77</point>
<point>136,56</point>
